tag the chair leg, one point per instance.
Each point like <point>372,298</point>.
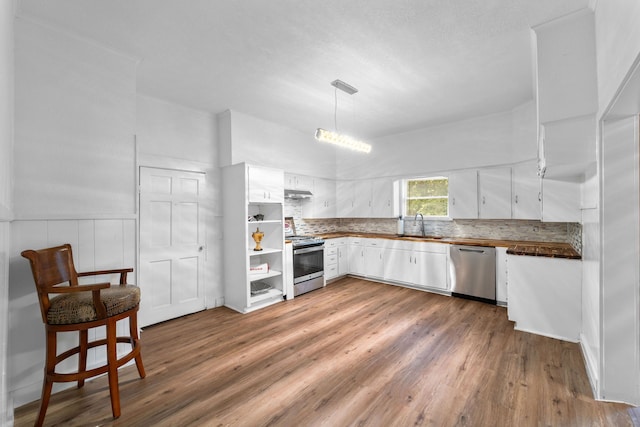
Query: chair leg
<point>112,360</point>
<point>49,369</point>
<point>135,341</point>
<point>82,356</point>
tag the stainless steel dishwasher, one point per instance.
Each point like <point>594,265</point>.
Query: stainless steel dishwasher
<point>473,272</point>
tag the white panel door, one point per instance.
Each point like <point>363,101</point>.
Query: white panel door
<point>171,244</point>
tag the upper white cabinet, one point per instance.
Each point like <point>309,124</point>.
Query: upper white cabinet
<point>298,182</point>
<point>369,198</point>
<point>527,191</point>
<point>266,185</point>
<point>494,193</point>
<point>463,194</point>
<point>567,93</point>
<point>322,203</point>
<point>345,195</point>
<point>384,198</point>
<point>561,201</point>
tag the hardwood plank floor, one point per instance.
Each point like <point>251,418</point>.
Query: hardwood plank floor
<point>354,353</point>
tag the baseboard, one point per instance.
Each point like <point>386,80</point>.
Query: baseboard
<point>590,365</point>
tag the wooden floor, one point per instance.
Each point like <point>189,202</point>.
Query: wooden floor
<point>354,353</point>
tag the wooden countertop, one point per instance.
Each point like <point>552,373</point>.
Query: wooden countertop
<point>514,247</point>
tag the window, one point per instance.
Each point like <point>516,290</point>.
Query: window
<point>428,196</point>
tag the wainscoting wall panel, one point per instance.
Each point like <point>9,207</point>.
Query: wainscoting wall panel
<point>97,244</point>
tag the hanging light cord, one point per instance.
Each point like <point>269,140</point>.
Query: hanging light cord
<point>335,108</point>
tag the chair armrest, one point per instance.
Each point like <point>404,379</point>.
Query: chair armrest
<point>101,310</point>
<point>122,271</point>
<point>79,288</point>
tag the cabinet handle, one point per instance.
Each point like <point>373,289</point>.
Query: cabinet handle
<point>539,196</point>
<point>516,198</point>
<point>483,201</point>
<point>453,201</point>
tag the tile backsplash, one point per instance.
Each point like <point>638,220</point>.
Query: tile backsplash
<point>503,229</point>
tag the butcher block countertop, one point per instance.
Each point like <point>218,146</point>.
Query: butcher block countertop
<point>543,249</point>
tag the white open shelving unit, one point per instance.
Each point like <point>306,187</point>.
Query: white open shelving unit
<point>251,191</point>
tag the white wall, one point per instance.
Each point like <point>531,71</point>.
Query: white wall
<point>169,135</point>
<point>620,276</point>
<point>244,138</point>
<point>74,144</point>
<point>6,206</point>
<point>617,52</point>
<point>482,141</point>
<point>617,45</point>
<point>75,123</point>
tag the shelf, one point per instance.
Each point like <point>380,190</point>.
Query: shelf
<point>272,293</point>
<point>264,251</point>
<point>265,221</point>
<point>261,276</point>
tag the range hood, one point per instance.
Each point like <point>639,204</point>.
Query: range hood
<point>297,194</point>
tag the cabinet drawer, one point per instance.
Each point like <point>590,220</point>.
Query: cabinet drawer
<point>330,251</point>
<point>331,259</point>
<point>330,271</point>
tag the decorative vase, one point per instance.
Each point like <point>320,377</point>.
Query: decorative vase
<point>257,237</point>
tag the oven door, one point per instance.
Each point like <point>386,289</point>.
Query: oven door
<point>308,263</point>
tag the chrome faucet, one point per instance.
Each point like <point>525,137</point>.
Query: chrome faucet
<point>421,222</point>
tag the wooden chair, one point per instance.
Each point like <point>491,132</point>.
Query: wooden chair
<point>80,308</point>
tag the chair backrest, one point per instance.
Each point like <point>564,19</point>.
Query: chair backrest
<point>50,267</point>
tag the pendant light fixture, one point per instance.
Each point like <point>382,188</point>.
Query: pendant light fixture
<point>336,138</point>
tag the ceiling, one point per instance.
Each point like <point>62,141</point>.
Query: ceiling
<point>416,63</point>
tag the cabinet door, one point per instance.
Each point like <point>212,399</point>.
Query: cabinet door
<point>362,199</point>
<point>324,198</point>
<point>399,265</point>
<point>374,261</point>
<point>494,193</point>
<point>356,258</point>
<point>527,196</point>
<point>343,260</point>
<point>345,199</point>
<point>384,204</point>
<point>265,185</point>
<point>463,194</point>
<point>431,270</point>
<point>560,201</point>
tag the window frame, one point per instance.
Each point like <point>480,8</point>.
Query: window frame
<point>404,197</point>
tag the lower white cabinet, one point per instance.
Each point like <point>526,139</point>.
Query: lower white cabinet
<point>374,258</point>
<point>501,276</point>
<point>545,296</point>
<point>417,264</point>
<point>336,258</point>
<point>356,256</point>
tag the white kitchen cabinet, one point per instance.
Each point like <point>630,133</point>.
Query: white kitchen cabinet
<point>362,199</point>
<point>463,194</point>
<point>560,201</point>
<point>494,193</point>
<point>345,199</point>
<point>374,258</point>
<point>384,198</point>
<point>266,185</point>
<point>527,191</point>
<point>323,202</point>
<point>417,264</point>
<point>545,296</point>
<point>356,256</point>
<point>241,283</point>
<point>501,276</point>
<point>335,258</point>
<point>298,182</point>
